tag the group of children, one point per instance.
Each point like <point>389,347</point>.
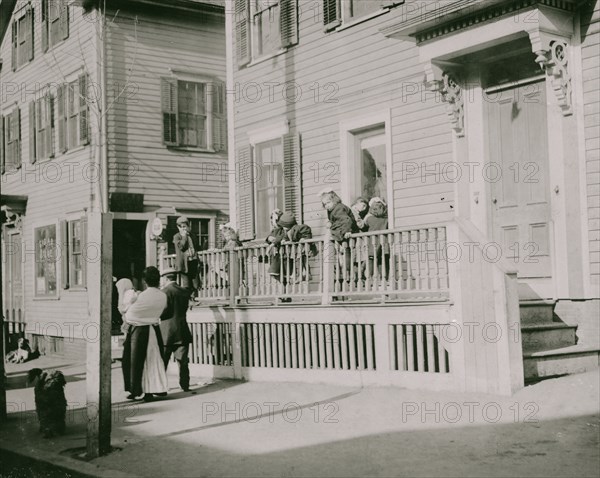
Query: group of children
<point>343,221</point>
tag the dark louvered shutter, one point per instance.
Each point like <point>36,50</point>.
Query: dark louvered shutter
<point>219,126</point>
<point>30,33</point>
<point>14,40</point>
<point>17,134</point>
<point>2,160</point>
<point>245,194</point>
<point>62,118</point>
<point>292,175</point>
<point>242,31</point>
<point>64,254</point>
<point>331,14</point>
<point>84,113</point>
<point>288,14</point>
<point>168,91</point>
<point>32,132</point>
<point>63,21</point>
<point>84,250</point>
<point>49,131</point>
<point>44,25</point>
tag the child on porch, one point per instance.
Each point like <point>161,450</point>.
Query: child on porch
<point>360,209</point>
<point>341,225</point>
<point>377,220</point>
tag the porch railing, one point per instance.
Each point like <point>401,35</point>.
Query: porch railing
<point>383,266</point>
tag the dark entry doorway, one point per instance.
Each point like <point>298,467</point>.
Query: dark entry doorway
<point>129,250</point>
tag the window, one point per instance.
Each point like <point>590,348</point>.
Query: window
<point>193,114</point>
<point>200,231</point>
<point>45,261</point>
<point>10,132</point>
<point>73,114</point>
<point>55,22</point>
<point>41,128</point>
<point>371,164</point>
<point>337,12</point>
<point>75,261</point>
<point>269,175</point>
<point>268,158</point>
<point>264,28</point>
<point>22,38</point>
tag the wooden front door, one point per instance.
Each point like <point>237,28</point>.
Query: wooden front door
<point>517,171</point>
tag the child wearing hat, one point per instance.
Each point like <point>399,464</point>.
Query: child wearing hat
<point>186,259</point>
<point>287,229</point>
<point>377,220</point>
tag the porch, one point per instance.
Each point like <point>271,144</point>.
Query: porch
<point>417,308</point>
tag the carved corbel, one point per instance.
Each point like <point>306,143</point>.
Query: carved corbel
<point>12,218</point>
<point>443,82</point>
<point>555,62</point>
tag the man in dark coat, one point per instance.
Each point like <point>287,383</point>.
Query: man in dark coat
<point>174,328</point>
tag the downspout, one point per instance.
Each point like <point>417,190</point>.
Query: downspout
<point>230,98</point>
<point>104,130</point>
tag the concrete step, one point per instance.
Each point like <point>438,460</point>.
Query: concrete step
<point>534,312</point>
<point>567,360</point>
<point>547,336</point>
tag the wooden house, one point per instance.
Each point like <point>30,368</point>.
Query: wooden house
<point>125,115</point>
<point>477,122</point>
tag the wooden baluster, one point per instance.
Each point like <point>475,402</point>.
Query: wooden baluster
<point>344,344</point>
<point>314,346</point>
<point>442,349</point>
<point>410,347</point>
<point>307,353</point>
<point>420,348</point>
<point>442,244</point>
<point>429,337</point>
<point>375,242</point>
<point>281,339</point>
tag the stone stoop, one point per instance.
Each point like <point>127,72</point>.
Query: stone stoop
<point>549,345</point>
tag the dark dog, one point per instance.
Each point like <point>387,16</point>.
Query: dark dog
<point>22,354</point>
<point>50,401</point>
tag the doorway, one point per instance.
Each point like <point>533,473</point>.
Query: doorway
<point>129,250</point>
<point>518,175</point>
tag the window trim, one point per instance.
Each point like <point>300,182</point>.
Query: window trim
<point>18,164</point>
<point>70,268</point>
<point>20,15</point>
<point>347,130</point>
<point>58,272</point>
<point>46,24</point>
<point>207,80</point>
<point>342,23</point>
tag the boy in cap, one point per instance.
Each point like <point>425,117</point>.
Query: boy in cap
<point>186,260</point>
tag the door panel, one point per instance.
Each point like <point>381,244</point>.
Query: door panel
<point>518,174</point>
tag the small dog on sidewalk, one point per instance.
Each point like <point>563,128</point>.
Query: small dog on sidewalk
<point>50,401</point>
<point>22,354</point>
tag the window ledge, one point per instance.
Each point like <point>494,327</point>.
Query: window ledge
<point>195,150</point>
<point>77,289</point>
<point>40,298</point>
<point>362,19</point>
<point>74,150</point>
<point>264,58</point>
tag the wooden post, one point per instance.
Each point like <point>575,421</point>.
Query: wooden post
<point>328,257</point>
<point>98,364</point>
<point>3,414</point>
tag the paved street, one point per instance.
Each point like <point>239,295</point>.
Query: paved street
<point>274,429</point>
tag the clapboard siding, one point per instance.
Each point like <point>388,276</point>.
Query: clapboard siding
<point>145,49</point>
<point>363,72</point>
<point>590,53</point>
<point>56,188</point>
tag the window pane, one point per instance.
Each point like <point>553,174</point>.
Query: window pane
<point>269,160</point>
<point>374,168</point>
<point>360,8</point>
<point>45,260</point>
<point>192,113</point>
<point>268,29</point>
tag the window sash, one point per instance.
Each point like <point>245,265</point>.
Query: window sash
<point>75,254</point>
<point>269,188</point>
<point>193,114</point>
<point>267,30</point>
<point>45,261</point>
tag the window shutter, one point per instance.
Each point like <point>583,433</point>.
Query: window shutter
<point>84,250</point>
<point>44,25</point>
<point>17,134</point>
<point>49,131</point>
<point>242,33</point>
<point>32,132</point>
<point>2,160</point>
<point>30,33</point>
<point>245,194</point>
<point>84,114</point>
<point>168,88</point>
<point>13,56</point>
<point>219,129</point>
<point>331,14</point>
<point>288,21</point>
<point>62,122</point>
<point>292,175</point>
<point>63,22</point>
<point>64,254</point>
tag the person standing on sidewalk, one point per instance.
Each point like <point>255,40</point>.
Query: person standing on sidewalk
<point>174,328</point>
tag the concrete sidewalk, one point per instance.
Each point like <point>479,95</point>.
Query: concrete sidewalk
<point>286,429</point>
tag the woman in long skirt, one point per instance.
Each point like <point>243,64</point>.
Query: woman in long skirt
<point>143,368</point>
